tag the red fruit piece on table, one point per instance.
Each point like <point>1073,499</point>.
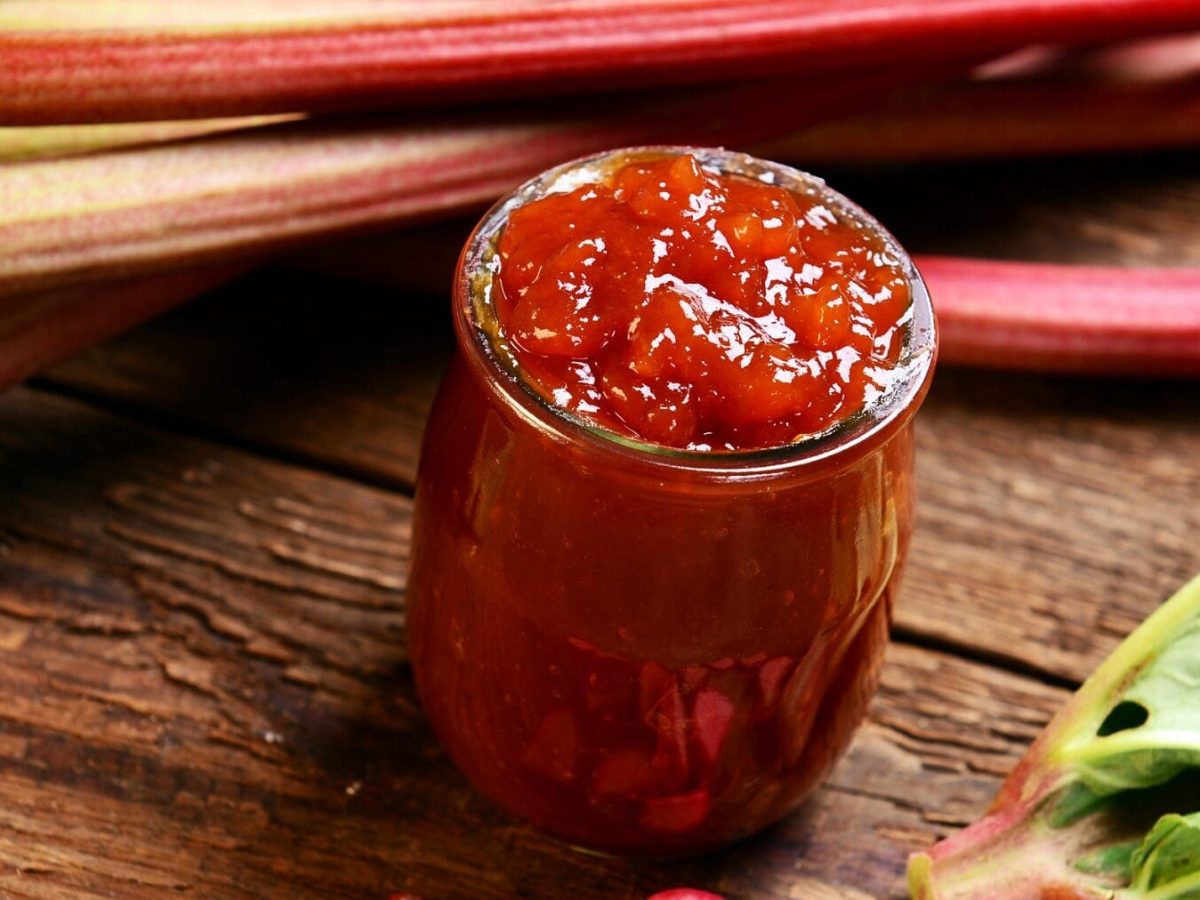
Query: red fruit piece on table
<point>685,894</point>
<point>554,747</point>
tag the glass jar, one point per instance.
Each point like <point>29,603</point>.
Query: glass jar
<point>645,650</point>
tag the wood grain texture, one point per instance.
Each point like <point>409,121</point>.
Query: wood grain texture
<point>203,532</point>
<point>202,666</point>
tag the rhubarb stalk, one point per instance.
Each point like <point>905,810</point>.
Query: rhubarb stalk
<point>71,61</point>
<point>128,212</point>
<point>1103,805</point>
<point>1066,318</point>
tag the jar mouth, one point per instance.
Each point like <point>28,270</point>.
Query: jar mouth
<point>907,380</point>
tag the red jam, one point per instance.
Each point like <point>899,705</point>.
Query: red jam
<point>639,650</point>
<point>698,310</point>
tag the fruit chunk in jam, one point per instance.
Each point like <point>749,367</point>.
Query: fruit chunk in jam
<point>698,310</point>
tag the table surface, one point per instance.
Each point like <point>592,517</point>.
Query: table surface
<point>204,528</point>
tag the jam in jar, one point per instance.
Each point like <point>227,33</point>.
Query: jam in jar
<point>665,495</point>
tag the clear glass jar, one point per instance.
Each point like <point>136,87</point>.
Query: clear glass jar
<point>644,650</point>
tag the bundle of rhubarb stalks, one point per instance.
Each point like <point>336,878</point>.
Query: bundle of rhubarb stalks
<point>150,151</point>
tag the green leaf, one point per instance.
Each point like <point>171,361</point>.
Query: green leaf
<point>1167,864</point>
<point>1106,804</point>
<point>1151,732</point>
<point>1115,862</point>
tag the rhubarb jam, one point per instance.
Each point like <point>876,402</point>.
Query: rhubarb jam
<point>665,495</point>
<point>684,307</point>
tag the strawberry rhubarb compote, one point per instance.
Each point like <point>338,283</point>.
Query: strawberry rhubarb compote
<point>665,495</point>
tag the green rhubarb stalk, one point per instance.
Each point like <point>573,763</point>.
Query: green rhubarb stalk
<point>65,61</point>
<point>134,211</point>
<point>1106,803</point>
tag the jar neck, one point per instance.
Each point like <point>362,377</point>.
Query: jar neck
<point>841,445</point>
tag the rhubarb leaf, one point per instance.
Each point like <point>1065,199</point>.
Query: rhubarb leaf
<point>1152,732</point>
<point>1106,804</point>
<point>1167,864</point>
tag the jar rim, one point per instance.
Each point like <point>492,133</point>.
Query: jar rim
<point>878,418</point>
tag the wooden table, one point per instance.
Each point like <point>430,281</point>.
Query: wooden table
<point>203,537</point>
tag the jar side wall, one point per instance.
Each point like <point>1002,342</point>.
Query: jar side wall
<point>613,660</point>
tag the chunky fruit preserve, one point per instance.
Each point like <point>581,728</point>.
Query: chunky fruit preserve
<point>665,495</point>
<point>692,309</point>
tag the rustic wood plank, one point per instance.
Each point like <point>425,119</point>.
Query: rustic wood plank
<point>204,686</point>
<point>1054,513</point>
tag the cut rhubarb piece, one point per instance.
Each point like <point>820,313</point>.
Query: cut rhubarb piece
<point>655,681</point>
<point>1066,318</point>
<point>553,749</point>
<point>676,813</point>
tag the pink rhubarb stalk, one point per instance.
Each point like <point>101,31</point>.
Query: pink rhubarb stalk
<point>1066,318</point>
<point>122,213</point>
<point>64,61</point>
<point>39,329</point>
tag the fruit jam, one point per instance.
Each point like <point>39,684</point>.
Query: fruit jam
<point>698,310</point>
<point>641,616</point>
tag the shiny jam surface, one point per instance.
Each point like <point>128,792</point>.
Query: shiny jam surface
<point>698,310</point>
<point>625,646</point>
